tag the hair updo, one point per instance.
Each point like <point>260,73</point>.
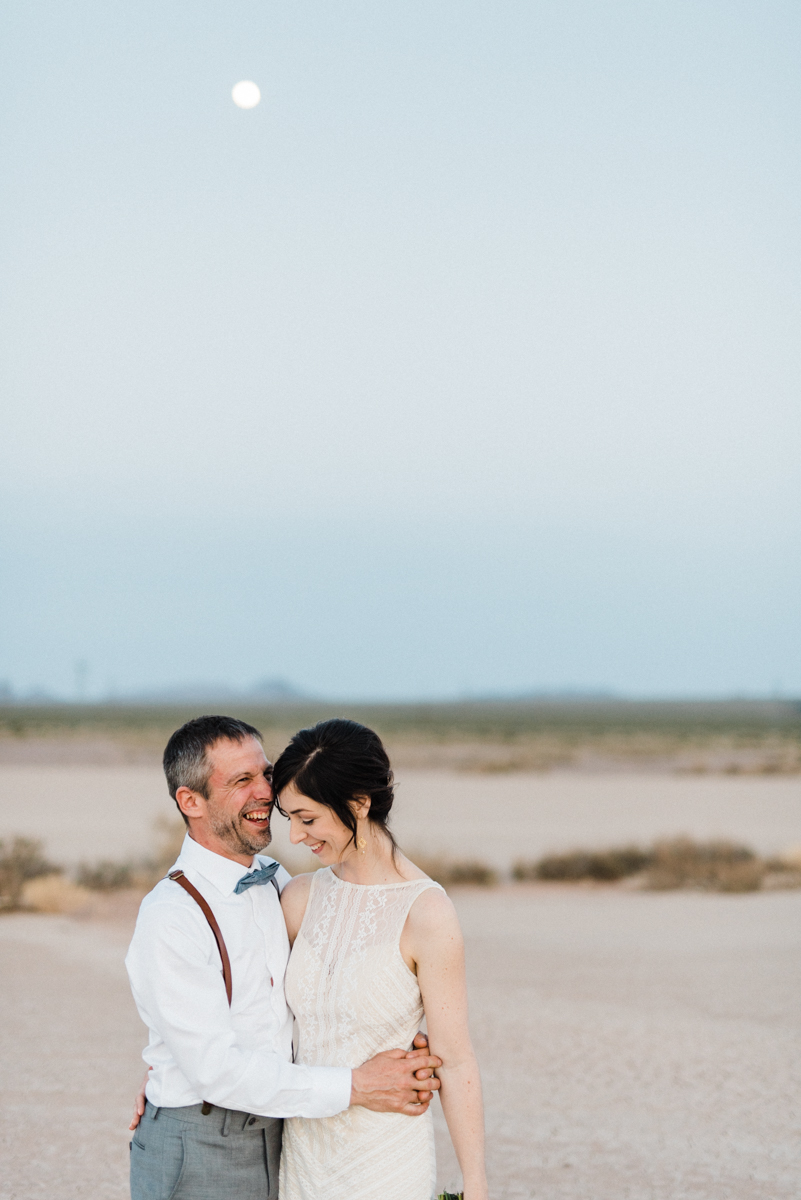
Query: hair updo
<point>335,761</point>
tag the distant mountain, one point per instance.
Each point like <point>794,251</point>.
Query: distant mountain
<point>550,695</point>
<point>278,690</point>
<point>272,691</point>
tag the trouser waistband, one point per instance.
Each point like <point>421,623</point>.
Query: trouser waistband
<point>221,1120</point>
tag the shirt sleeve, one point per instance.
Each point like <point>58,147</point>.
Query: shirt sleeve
<point>177,991</point>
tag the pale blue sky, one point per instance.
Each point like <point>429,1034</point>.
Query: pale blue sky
<point>467,362</point>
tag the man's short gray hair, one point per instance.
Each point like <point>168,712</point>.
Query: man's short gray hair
<point>186,761</point>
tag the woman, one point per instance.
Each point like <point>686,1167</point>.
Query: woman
<point>376,945</point>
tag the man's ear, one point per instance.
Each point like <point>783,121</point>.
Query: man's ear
<point>190,803</point>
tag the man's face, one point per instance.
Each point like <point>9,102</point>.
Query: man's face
<point>240,798</point>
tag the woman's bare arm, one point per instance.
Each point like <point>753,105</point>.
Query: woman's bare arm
<point>294,899</point>
<point>434,939</point>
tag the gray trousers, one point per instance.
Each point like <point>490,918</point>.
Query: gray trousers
<point>180,1154</point>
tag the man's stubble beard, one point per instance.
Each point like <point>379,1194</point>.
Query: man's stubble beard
<point>235,834</point>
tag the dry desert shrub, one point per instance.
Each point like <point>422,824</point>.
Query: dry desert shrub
<point>54,894</point>
<point>448,871</point>
<point>171,832</point>
<point>784,871</point>
<point>716,866</point>
<point>110,876</point>
<point>779,877</point>
<point>603,866</point>
<point>105,876</point>
<point>790,858</point>
<point>20,861</point>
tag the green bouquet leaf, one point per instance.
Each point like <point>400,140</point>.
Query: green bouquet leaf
<point>451,1196</point>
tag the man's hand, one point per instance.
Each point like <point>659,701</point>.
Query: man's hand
<point>139,1102</point>
<point>397,1081</point>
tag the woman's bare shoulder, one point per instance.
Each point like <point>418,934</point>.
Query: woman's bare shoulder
<point>432,914</point>
<point>431,933</point>
<point>298,886</point>
<point>408,870</point>
<point>294,898</point>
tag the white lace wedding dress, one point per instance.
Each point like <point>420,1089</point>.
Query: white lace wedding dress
<point>353,996</point>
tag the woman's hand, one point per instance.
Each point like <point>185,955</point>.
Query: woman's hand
<point>420,1047</point>
<point>139,1102</point>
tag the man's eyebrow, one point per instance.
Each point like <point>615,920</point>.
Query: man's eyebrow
<point>249,774</point>
<point>241,775</point>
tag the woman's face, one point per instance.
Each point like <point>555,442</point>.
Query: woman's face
<point>317,827</point>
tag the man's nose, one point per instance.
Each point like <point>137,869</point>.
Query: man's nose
<point>263,789</point>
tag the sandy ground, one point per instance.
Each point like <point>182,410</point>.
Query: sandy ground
<point>90,812</point>
<point>634,1046</point>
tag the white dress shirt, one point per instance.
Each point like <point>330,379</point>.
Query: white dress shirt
<point>199,1049</point>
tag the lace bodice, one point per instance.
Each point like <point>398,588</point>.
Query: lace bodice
<point>348,986</point>
<point>353,996</point>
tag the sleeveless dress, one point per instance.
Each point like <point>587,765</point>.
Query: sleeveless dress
<point>353,996</point>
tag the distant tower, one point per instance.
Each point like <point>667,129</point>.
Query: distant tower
<point>81,679</point>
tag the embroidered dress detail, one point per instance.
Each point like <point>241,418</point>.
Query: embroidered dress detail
<point>353,996</point>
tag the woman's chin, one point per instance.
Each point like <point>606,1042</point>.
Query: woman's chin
<point>326,856</point>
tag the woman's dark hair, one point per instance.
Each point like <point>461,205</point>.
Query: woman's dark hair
<point>334,762</point>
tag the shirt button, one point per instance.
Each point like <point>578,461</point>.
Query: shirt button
<point>271,982</point>
<point>252,1121</point>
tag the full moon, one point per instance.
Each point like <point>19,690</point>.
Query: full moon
<point>245,94</point>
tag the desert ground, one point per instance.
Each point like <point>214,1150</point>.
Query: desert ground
<point>91,812</point>
<point>634,1045</point>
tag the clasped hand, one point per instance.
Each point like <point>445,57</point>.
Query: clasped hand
<point>394,1081</point>
<point>397,1080</point>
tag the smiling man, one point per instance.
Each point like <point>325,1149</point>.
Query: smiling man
<point>220,1044</point>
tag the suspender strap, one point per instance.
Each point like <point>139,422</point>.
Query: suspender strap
<point>181,879</point>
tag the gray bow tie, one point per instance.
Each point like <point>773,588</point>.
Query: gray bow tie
<point>263,875</point>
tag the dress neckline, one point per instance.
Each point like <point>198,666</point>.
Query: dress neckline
<point>403,882</point>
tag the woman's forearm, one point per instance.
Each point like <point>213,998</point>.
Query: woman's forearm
<point>463,1107</point>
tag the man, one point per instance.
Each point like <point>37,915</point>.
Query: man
<point>220,1048</point>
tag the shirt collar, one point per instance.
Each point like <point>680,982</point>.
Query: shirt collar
<point>223,872</point>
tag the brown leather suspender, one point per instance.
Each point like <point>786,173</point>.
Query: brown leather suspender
<point>180,878</point>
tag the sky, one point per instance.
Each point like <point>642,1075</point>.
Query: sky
<point>467,363</point>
